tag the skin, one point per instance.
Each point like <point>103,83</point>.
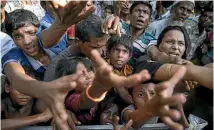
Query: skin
<point>95,43</point>
<point>173,43</point>
<point>140,17</point>
<point>107,12</point>
<point>119,55</point>
<point>206,19</point>
<point>182,11</point>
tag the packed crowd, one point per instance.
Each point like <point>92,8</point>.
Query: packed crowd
<point>70,63</point>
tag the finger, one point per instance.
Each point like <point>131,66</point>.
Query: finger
<point>171,113</point>
<point>109,23</point>
<point>116,23</point>
<point>69,78</point>
<point>115,122</point>
<point>71,122</point>
<point>172,125</point>
<point>131,80</point>
<point>187,87</point>
<point>195,83</point>
<point>86,13</point>
<point>191,85</point>
<point>118,31</point>
<point>97,59</point>
<point>177,76</point>
<point>75,119</point>
<point>128,125</point>
<point>174,100</point>
<point>59,123</point>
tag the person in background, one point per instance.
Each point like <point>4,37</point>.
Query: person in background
<point>108,10</point>
<point>17,108</point>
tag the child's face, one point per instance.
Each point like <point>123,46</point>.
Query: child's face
<point>107,12</point>
<point>86,77</point>
<point>119,55</point>
<point>142,93</point>
<point>17,97</point>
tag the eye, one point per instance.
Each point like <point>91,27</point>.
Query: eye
<point>32,33</point>
<point>17,37</point>
<point>152,93</point>
<point>140,95</point>
<point>181,43</point>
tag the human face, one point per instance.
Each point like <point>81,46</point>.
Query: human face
<point>142,94</point>
<point>140,17</point>
<point>173,43</point>
<point>182,11</point>
<point>86,77</point>
<point>201,4</point>
<point>95,43</point>
<point>125,7</point>
<point>107,12</point>
<point>119,55</point>
<point>106,117</point>
<point>17,97</point>
<point>26,39</point>
<point>88,5</point>
<point>206,19</point>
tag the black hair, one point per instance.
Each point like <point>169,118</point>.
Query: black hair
<point>179,28</point>
<point>20,18</point>
<point>67,66</point>
<point>89,27</point>
<point>110,7</point>
<point>141,2</point>
<point>208,9</point>
<point>124,40</point>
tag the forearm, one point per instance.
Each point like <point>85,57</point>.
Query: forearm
<point>156,55</point>
<point>20,122</point>
<point>51,36</point>
<point>22,82</point>
<point>95,91</point>
<point>123,93</point>
<point>202,75</point>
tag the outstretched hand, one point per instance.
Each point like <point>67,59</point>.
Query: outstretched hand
<point>105,77</point>
<point>116,125</point>
<point>111,25</point>
<point>54,97</point>
<point>69,13</point>
<point>159,105</point>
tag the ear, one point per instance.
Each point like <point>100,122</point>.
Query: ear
<point>6,88</point>
<point>78,41</point>
<point>130,98</point>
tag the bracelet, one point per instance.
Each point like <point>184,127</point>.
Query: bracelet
<point>168,70</point>
<point>94,99</point>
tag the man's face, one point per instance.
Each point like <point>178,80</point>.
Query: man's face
<point>95,43</point>
<point>206,19</point>
<point>173,43</point>
<point>126,6</point>
<point>119,55</point>
<point>201,4</point>
<point>182,11</point>
<point>140,17</point>
<point>26,39</point>
<point>142,94</point>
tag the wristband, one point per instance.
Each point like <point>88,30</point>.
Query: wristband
<point>95,99</point>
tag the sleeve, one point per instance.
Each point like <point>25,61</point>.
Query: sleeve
<point>130,107</point>
<point>7,43</point>
<point>72,102</point>
<point>14,55</point>
<point>151,66</point>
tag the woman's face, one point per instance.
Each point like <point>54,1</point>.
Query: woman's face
<point>173,43</point>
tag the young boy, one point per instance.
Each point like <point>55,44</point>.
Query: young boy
<point>119,51</point>
<point>108,10</point>
<point>16,107</point>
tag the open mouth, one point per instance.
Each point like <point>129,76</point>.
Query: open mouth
<point>173,54</point>
<point>140,21</point>
<point>31,49</point>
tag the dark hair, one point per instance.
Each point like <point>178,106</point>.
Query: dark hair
<point>208,9</point>
<point>179,28</point>
<point>20,18</point>
<point>167,4</point>
<point>89,27</point>
<point>67,66</point>
<point>141,2</point>
<point>110,7</point>
<point>124,40</point>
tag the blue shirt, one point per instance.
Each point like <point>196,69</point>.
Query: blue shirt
<point>19,56</point>
<point>45,23</point>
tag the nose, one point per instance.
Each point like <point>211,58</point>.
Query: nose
<point>120,54</point>
<point>27,40</point>
<point>175,46</point>
<point>147,96</point>
<point>184,13</point>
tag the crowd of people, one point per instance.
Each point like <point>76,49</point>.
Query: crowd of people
<point>70,63</point>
